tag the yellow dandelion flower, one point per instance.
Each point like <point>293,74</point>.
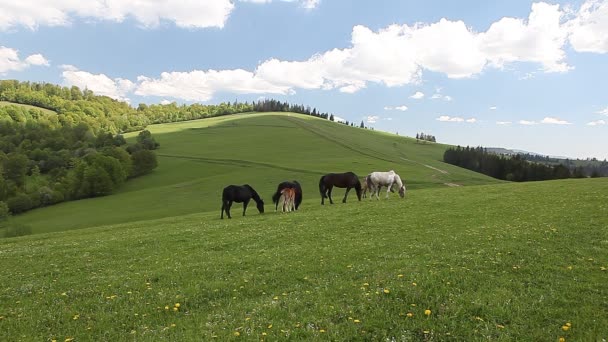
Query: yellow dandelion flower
<point>426,331</point>
<point>322,330</point>
<point>427,312</point>
<point>264,334</point>
<point>569,267</point>
<point>269,326</point>
<point>275,297</point>
<point>569,324</point>
<point>387,291</point>
<point>247,318</point>
<point>172,325</point>
<point>365,284</point>
<point>76,317</point>
<point>413,304</point>
<point>414,284</point>
<point>64,294</point>
<point>177,305</point>
<point>69,339</point>
<point>561,339</point>
<point>565,328</point>
<point>410,315</point>
<point>500,326</point>
<point>166,307</point>
<point>357,321</point>
<point>236,333</point>
<point>400,276</point>
<point>175,309</point>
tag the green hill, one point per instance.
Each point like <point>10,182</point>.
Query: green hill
<point>198,158</point>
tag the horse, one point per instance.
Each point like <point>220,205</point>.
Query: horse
<point>289,195</point>
<point>346,180</point>
<point>376,180</point>
<point>365,189</point>
<point>293,185</point>
<point>240,194</point>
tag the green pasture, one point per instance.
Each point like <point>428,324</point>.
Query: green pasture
<point>499,262</point>
<point>197,159</point>
<point>44,110</point>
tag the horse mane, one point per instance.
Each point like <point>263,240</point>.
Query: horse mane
<point>254,194</point>
<point>398,181</point>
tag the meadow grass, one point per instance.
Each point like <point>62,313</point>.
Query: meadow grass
<point>6,103</point>
<point>496,262</point>
<point>197,159</point>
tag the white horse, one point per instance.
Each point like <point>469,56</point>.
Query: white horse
<point>376,180</point>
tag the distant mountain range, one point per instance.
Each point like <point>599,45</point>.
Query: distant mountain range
<point>506,151</point>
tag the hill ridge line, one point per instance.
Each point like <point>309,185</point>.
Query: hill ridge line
<point>241,162</point>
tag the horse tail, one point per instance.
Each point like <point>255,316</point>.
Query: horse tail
<point>322,187</point>
<point>277,195</point>
<point>368,180</point>
<point>358,188</point>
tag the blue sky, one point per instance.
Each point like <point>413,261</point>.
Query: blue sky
<point>515,74</point>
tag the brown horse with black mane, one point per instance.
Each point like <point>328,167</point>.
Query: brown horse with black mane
<point>346,180</point>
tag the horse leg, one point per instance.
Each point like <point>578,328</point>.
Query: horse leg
<point>390,186</point>
<point>245,206</point>
<point>222,213</point>
<point>329,194</point>
<point>345,194</point>
<point>227,206</point>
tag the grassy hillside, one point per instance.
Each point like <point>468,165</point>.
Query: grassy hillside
<point>198,158</point>
<point>496,262</point>
<point>5,103</point>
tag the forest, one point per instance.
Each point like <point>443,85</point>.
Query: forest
<point>514,167</point>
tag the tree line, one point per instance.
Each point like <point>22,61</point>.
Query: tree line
<point>511,168</point>
<point>425,137</point>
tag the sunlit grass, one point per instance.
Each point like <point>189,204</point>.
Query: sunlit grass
<point>499,262</point>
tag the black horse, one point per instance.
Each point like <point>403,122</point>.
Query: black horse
<point>288,185</point>
<point>240,194</point>
<point>346,180</point>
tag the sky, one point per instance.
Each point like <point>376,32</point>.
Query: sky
<point>513,74</point>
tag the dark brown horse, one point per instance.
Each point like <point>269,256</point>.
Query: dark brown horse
<point>346,180</point>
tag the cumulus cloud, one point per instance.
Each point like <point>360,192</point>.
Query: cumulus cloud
<point>307,4</point>
<point>527,123</point>
<point>554,121</point>
<point>471,120</point>
<point>417,95</point>
<point>596,123</point>
<point>165,102</point>
<point>100,84</point>
<point>446,118</point>
<point>493,108</point>
<point>372,119</point>
<point>201,85</point>
<point>503,122</point>
<point>603,111</point>
<point>589,28</point>
<point>339,119</point>
<point>10,61</point>
<point>401,108</point>
<point>148,13</point>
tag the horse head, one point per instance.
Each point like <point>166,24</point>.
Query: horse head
<point>402,191</point>
<point>260,206</point>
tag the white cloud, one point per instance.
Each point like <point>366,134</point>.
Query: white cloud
<point>100,84</point>
<point>401,108</point>
<point>148,13</point>
<point>165,102</point>
<point>472,120</point>
<point>554,121</point>
<point>589,28</point>
<point>493,108</point>
<point>540,39</point>
<point>307,4</point>
<point>527,123</point>
<point>200,85</point>
<point>339,119</point>
<point>596,123</point>
<point>603,111</point>
<point>440,96</point>
<point>527,76</point>
<point>503,122</point>
<point>417,96</point>
<point>372,119</point>
<point>10,61</point>
<point>389,119</point>
<point>446,118</point>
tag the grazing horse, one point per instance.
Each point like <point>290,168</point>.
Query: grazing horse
<point>240,194</point>
<point>376,180</point>
<point>293,185</point>
<point>346,180</point>
<point>289,196</point>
